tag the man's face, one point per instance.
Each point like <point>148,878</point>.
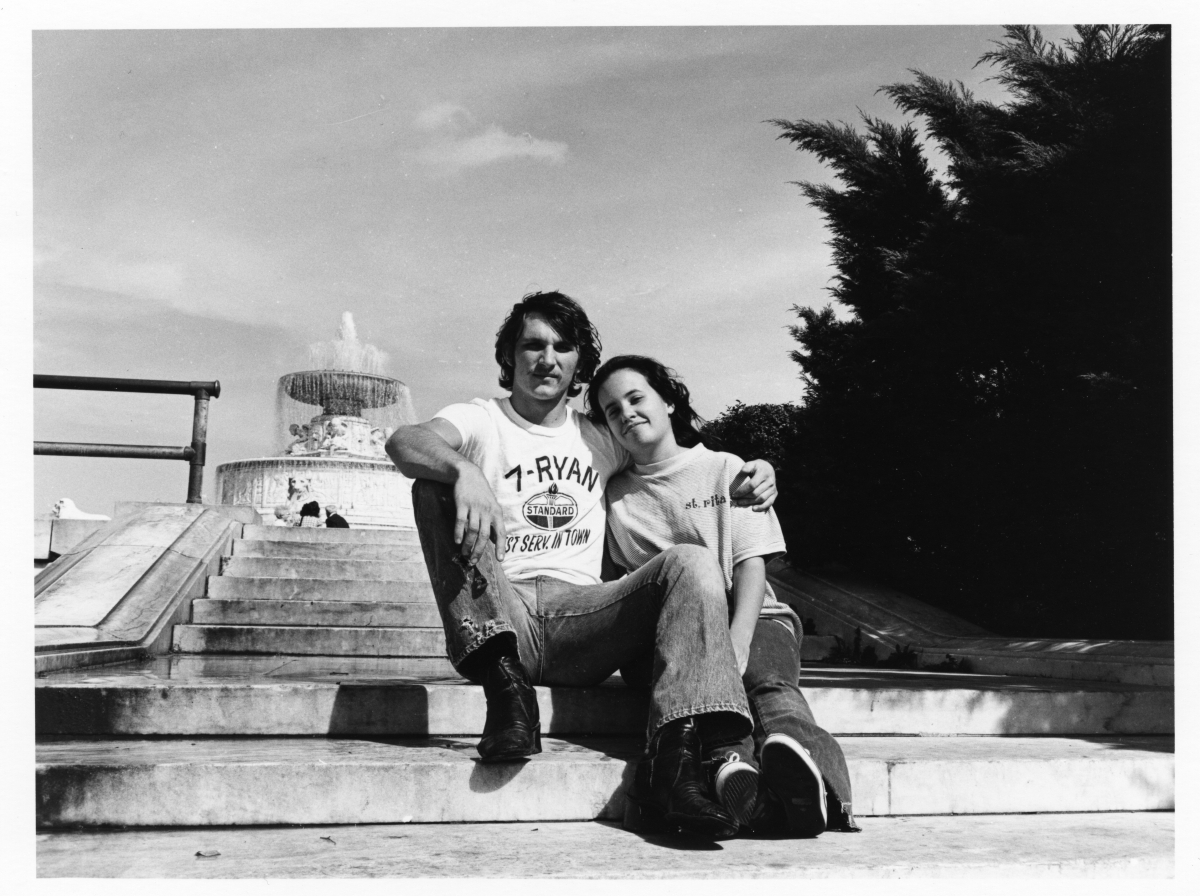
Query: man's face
<point>543,362</point>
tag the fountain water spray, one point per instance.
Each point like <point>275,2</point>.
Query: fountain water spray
<point>346,352</point>
<point>332,422</point>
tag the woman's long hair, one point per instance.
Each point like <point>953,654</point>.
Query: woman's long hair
<point>685,422</point>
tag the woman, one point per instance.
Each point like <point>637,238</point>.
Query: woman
<point>310,515</point>
<point>677,492</point>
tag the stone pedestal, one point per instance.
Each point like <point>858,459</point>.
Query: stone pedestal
<point>371,494</point>
<point>338,435</point>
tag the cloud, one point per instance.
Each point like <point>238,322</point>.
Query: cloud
<point>140,279</point>
<point>207,273</point>
<point>640,291</point>
<point>493,144</point>
<point>441,116</point>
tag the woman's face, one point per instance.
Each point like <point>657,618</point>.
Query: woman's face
<point>637,415</point>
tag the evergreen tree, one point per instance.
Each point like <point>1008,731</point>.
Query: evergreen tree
<point>989,426</point>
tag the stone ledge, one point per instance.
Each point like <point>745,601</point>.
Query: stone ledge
<point>67,659</point>
<point>53,537</point>
<point>65,535</point>
<point>242,513</point>
<point>123,586</point>
<point>42,529</point>
<point>888,620</point>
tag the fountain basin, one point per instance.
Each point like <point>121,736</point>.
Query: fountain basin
<point>342,391</point>
<point>371,494</point>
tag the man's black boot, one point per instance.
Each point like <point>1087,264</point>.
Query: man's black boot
<point>670,790</point>
<point>513,728</point>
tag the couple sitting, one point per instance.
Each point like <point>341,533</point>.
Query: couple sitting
<point>510,505</point>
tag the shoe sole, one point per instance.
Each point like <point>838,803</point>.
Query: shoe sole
<point>794,778</point>
<point>645,818</point>
<point>516,754</point>
<point>737,790</point>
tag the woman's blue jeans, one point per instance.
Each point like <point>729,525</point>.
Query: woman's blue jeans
<point>673,609</point>
<point>771,685</point>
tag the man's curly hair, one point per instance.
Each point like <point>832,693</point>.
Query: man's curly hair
<point>568,320</point>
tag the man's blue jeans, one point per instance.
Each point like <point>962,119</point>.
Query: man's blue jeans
<point>673,609</point>
<point>779,707</point>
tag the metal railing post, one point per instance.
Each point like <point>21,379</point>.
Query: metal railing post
<point>199,446</point>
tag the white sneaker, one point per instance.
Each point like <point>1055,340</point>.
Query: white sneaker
<point>736,787</point>
<point>790,773</point>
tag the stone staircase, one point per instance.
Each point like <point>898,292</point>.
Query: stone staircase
<point>310,688</point>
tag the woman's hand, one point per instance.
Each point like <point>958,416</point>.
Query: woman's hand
<point>741,648</point>
<point>754,486</point>
<point>749,589</point>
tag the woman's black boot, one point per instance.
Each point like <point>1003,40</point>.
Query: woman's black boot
<point>513,728</point>
<point>670,790</point>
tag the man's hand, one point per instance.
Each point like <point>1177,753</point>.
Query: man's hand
<point>478,517</point>
<point>754,486</point>
<point>431,451</point>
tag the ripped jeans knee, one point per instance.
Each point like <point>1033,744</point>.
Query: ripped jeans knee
<point>477,633</point>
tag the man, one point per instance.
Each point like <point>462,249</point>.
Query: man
<point>334,519</point>
<point>509,503</point>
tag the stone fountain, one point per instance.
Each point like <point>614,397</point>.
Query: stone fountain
<point>336,456</point>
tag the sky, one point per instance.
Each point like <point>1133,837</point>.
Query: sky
<point>207,204</point>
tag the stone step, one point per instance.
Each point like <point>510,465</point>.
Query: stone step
<point>335,613</point>
<point>324,568</point>
<point>184,667</point>
<point>1100,844</point>
<point>263,781</point>
<point>299,639</point>
<point>323,550</point>
<point>354,590</point>
<point>330,536</point>
<point>342,640</point>
<point>356,696</point>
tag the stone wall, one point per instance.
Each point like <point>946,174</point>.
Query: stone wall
<point>371,494</point>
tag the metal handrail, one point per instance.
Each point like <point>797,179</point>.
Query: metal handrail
<point>194,454</point>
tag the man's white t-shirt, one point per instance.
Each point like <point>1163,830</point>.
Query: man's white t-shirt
<point>548,480</point>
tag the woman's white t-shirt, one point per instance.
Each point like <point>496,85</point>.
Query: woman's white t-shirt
<point>686,500</point>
